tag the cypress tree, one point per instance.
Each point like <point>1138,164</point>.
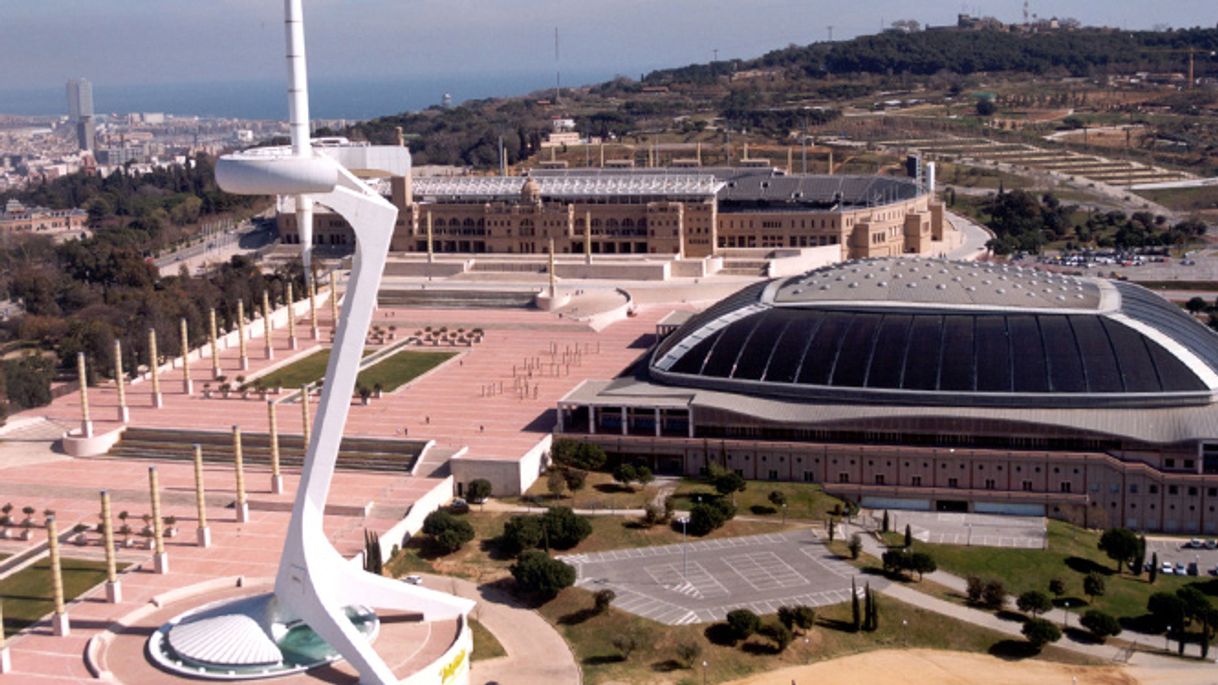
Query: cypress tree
<point>908,536</point>
<point>875,614</point>
<point>885,522</point>
<point>857,619</point>
<point>1154,567</point>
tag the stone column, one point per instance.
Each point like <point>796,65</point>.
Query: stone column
<point>154,367</point>
<point>60,624</point>
<point>86,423</point>
<point>267,329</point>
<point>313,306</point>
<point>307,431</point>
<point>241,506</point>
<point>187,385</point>
<point>430,251</point>
<point>273,428</point>
<point>215,347</point>
<point>6,656</point>
<point>114,589</point>
<point>120,382</point>
<point>588,237</point>
<point>204,533</point>
<point>292,342</point>
<point>333,306</point>
<point>245,360</point>
<point>159,558</point>
<point>553,276</point>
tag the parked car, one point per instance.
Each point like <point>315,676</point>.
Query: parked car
<point>1193,570</point>
<point>1180,569</point>
<point>413,580</point>
<point>1211,544</point>
<point>459,505</point>
<point>1194,544</point>
<point>1214,571</point>
<point>1168,569</point>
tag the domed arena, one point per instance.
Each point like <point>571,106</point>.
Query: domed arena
<point>935,385</point>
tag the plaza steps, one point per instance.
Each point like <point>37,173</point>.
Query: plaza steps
<point>355,454</point>
<point>745,267</point>
<point>456,298</point>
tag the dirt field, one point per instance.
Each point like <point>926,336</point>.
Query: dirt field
<point>930,667</point>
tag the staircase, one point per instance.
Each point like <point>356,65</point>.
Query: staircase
<point>456,298</point>
<point>355,454</point>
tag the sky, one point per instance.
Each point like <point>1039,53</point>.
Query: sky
<point>129,42</point>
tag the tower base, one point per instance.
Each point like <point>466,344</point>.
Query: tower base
<point>60,625</point>
<point>6,660</point>
<point>114,591</point>
<point>203,536</point>
<point>161,562</point>
<point>124,414</point>
<point>276,485</point>
<point>158,400</point>
<point>243,512</point>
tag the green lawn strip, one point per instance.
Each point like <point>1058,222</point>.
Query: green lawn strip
<point>1184,199</point>
<point>600,491</point>
<point>391,373</point>
<point>804,500</point>
<point>27,594</point>
<point>486,646</point>
<point>481,560</point>
<point>591,638</point>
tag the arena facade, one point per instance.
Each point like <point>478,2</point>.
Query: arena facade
<point>936,385</point>
<point>671,212</point>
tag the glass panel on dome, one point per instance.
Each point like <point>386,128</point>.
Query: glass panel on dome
<point>790,349</point>
<point>922,359</point>
<point>888,359</point>
<point>723,356</point>
<point>1137,368</point>
<point>822,352</point>
<point>1031,374</point>
<point>850,370</point>
<point>756,354</point>
<point>1103,374</point>
<point>957,371</point>
<point>1175,375</point>
<point>691,361</point>
<point>993,354</point>
<point>1065,367</point>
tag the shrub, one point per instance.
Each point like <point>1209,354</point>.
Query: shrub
<point>577,454</point>
<point>704,518</point>
<point>538,574</point>
<point>779,634</point>
<point>742,623</point>
<point>922,563</point>
<point>1034,602</point>
<point>556,483</point>
<point>1101,625</point>
<point>974,589</point>
<point>576,479</point>
<point>994,594</point>
<point>626,643</point>
<point>448,533</point>
<point>1057,586</point>
<point>1093,585</point>
<point>564,527</point>
<point>855,546</point>
<point>653,513</point>
<point>521,533</point>
<point>726,508</point>
<point>624,474</point>
<point>801,616</point>
<point>777,498</point>
<point>1040,632</point>
<point>688,653</point>
<point>602,599</point>
<point>478,490</point>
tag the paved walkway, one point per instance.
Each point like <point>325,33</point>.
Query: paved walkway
<point>536,653</point>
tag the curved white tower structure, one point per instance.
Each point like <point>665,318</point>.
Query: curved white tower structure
<point>315,584</point>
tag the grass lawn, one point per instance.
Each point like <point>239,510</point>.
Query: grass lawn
<point>599,492</point>
<point>1184,199</point>
<point>391,373</point>
<point>485,644</point>
<point>804,500</point>
<point>27,593</point>
<point>482,561</point>
<point>1072,553</point>
<point>901,626</point>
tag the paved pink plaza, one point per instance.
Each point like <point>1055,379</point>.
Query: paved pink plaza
<point>449,405</point>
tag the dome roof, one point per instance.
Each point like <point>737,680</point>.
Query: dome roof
<point>920,331</point>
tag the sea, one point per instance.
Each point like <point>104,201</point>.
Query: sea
<point>352,99</point>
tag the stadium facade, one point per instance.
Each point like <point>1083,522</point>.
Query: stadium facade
<point>935,385</point>
<point>670,212</point>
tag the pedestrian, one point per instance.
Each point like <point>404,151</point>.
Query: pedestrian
<point>427,420</point>
<point>481,428</point>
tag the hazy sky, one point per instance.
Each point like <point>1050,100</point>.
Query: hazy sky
<point>118,42</point>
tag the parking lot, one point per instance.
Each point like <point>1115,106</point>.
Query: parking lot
<point>1174,550</point>
<point>701,581</point>
<point>980,530</point>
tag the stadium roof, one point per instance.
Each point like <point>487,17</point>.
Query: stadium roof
<point>677,185</point>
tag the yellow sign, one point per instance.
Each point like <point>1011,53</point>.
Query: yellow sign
<point>450,671</point>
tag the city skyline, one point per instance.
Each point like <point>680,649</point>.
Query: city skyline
<point>425,38</point>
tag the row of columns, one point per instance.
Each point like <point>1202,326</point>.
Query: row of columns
<point>157,398</point>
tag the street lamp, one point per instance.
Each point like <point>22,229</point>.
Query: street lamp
<point>704,664</point>
<point>784,513</point>
<point>684,548</point>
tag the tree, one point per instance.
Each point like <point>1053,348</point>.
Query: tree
<point>564,527</point>
<point>1040,632</point>
<point>1034,602</point>
<point>986,107</point>
<point>448,533</point>
<point>538,574</point>
<point>688,653</point>
<point>921,563</point>
<point>908,536</point>
<point>1154,568</point>
<point>855,546</point>
<point>895,560</point>
<point>994,594</point>
<point>974,589</point>
<point>583,455</point>
<point>1120,544</point>
<point>1196,305</point>
<point>884,523</point>
<point>602,599</point>
<point>703,518</point>
<point>626,643</point>
<point>556,483</point>
<point>742,623</point>
<point>779,634</point>
<point>478,490</point>
<point>1101,625</point>
<point>1139,558</point>
<point>625,474</point>
<point>856,618</point>
<point>576,479</point>
<point>831,527</point>
<point>374,561</point>
<point>1057,586</point>
<point>777,498</point>
<point>727,482</point>
<point>643,476</point>
<point>1167,610</point>
<point>1093,586</point>
<point>521,533</point>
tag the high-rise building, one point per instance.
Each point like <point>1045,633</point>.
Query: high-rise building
<point>80,99</point>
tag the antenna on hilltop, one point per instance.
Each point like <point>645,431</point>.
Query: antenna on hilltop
<point>1025,11</point>
<point>557,70</point>
<point>830,33</point>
